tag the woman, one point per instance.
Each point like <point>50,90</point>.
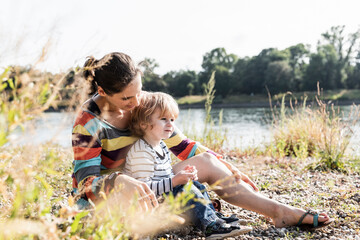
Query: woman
<point>101,140</point>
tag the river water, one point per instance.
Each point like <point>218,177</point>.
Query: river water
<point>246,127</point>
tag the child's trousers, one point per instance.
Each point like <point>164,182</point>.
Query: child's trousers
<point>201,214</point>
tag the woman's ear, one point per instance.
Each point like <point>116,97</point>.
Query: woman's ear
<point>101,91</point>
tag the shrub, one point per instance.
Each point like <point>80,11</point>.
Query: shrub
<point>321,132</point>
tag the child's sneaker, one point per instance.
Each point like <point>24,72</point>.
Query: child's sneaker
<point>222,230</point>
<point>233,220</point>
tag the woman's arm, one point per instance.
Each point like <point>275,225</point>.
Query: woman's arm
<point>87,158</point>
<point>239,176</point>
<point>184,148</point>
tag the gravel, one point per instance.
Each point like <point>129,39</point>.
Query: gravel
<point>289,182</point>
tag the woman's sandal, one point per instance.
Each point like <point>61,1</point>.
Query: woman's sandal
<point>315,225</point>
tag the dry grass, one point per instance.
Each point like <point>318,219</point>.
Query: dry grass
<point>321,132</point>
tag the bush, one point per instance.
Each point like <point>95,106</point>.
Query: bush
<point>321,132</point>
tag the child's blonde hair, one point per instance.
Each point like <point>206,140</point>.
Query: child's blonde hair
<point>149,102</point>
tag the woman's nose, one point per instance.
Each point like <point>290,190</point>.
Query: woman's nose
<point>136,100</point>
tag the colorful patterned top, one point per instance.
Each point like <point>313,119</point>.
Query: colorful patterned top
<point>100,150</point>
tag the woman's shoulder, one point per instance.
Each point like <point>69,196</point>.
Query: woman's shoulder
<point>90,106</point>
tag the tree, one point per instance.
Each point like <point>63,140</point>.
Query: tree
<point>182,83</point>
<point>218,57</point>
<point>353,81</point>
<point>238,76</point>
<point>299,55</point>
<point>344,48</point>
<point>322,69</point>
<point>278,77</point>
<point>151,80</point>
<point>250,74</point>
<point>218,60</point>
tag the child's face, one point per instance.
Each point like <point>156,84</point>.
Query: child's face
<point>160,128</point>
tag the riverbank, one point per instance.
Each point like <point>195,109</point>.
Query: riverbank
<point>262,104</point>
<point>336,97</point>
<point>236,102</point>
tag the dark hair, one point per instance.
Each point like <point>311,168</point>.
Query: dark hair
<point>112,73</point>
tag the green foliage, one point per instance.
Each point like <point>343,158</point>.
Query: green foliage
<point>295,68</point>
<point>182,83</point>
<point>220,61</point>
<point>151,80</point>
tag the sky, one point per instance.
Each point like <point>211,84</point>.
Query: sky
<point>176,34</point>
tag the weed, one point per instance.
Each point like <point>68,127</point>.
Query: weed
<point>210,137</point>
<point>321,132</point>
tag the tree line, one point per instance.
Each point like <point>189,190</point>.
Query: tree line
<point>335,65</point>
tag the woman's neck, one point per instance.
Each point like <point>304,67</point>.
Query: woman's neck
<point>105,106</point>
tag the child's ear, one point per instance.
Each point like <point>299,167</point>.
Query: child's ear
<point>143,126</point>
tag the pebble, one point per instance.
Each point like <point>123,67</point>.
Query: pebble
<point>282,233</point>
<point>346,227</point>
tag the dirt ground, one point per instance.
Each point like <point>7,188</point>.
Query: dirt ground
<point>290,182</point>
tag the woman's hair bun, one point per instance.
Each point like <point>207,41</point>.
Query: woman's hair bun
<point>89,68</point>
<point>112,73</point>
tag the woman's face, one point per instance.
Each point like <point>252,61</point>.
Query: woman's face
<point>128,99</point>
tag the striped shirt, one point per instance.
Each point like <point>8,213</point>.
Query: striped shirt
<point>145,164</point>
<point>100,149</point>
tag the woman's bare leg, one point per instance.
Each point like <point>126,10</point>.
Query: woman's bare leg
<point>211,171</point>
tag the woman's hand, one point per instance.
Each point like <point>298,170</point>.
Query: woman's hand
<point>246,179</point>
<point>130,186</point>
<point>239,176</point>
<point>184,176</point>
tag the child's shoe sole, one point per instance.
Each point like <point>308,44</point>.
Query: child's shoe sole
<point>233,233</point>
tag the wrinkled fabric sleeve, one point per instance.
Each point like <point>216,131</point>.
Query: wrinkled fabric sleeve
<point>87,181</point>
<point>184,148</point>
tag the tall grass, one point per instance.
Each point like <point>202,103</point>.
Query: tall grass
<point>211,137</point>
<point>322,132</point>
<point>35,202</point>
<point>25,94</point>
<point>35,181</point>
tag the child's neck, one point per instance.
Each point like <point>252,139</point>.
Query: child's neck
<point>155,143</point>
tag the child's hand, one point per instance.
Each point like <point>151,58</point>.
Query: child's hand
<point>192,169</point>
<point>182,177</point>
